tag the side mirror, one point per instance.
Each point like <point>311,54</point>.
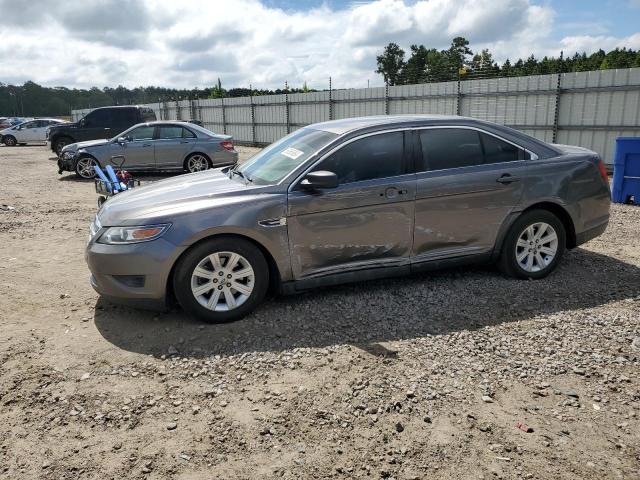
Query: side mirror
<point>123,140</point>
<point>83,122</point>
<point>319,180</point>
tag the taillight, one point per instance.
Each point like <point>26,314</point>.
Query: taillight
<point>227,145</point>
<point>603,170</point>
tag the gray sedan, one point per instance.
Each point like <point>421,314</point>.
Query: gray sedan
<point>152,146</point>
<point>349,200</point>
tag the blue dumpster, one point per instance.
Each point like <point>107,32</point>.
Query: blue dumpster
<point>626,170</point>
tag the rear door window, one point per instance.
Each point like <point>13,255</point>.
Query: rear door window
<point>450,148</point>
<point>99,118</point>
<point>124,117</point>
<point>375,156</point>
<point>444,148</point>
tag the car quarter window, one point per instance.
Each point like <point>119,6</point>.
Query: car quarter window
<point>444,148</point>
<point>141,133</point>
<point>375,156</point>
<point>186,133</point>
<point>498,151</point>
<point>168,132</point>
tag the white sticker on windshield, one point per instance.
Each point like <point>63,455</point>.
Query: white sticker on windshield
<point>292,153</point>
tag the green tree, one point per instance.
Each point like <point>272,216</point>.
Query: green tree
<point>217,91</point>
<point>459,52</point>
<point>482,64</point>
<point>391,64</point>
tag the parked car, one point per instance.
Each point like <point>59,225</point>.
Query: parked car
<point>349,200</point>
<point>152,146</point>
<point>98,124</point>
<point>12,121</point>
<point>33,131</point>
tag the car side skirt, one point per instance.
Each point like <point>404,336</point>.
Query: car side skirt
<point>295,286</point>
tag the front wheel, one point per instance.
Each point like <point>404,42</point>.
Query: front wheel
<point>197,162</point>
<point>221,280</point>
<point>84,168</point>
<point>534,245</point>
<point>9,140</point>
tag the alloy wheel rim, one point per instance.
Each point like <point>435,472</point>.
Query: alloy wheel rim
<point>536,247</point>
<point>85,168</point>
<point>222,281</point>
<point>10,142</point>
<point>197,163</point>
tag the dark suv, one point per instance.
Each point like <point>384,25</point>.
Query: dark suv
<point>105,122</point>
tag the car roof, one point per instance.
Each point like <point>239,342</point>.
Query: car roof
<point>170,122</point>
<point>384,122</point>
<point>349,124</point>
<point>123,106</point>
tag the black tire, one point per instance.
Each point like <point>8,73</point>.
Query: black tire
<point>182,279</point>
<point>61,142</point>
<point>9,140</point>
<point>82,170</point>
<point>508,262</point>
<point>203,159</point>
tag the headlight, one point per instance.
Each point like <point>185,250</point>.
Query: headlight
<point>68,155</point>
<point>120,235</point>
<point>94,227</point>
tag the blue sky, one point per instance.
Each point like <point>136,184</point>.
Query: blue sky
<point>574,17</point>
<point>268,42</point>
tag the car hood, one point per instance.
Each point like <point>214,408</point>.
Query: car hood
<point>185,194</point>
<point>89,143</point>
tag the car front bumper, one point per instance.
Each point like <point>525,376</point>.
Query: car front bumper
<point>134,274</point>
<point>67,164</point>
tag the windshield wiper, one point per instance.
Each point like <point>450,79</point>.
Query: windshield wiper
<point>239,173</point>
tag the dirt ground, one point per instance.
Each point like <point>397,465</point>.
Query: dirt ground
<point>419,377</point>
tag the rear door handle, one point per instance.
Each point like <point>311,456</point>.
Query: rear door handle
<point>185,141</point>
<point>507,178</point>
<point>146,145</point>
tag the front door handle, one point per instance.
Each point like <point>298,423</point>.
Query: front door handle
<point>507,178</point>
<point>146,145</point>
<point>393,192</point>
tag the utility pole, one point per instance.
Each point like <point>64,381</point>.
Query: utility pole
<point>556,113</point>
<point>330,101</point>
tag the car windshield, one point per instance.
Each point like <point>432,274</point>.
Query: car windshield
<point>276,161</point>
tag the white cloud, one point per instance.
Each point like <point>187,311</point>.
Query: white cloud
<point>186,44</point>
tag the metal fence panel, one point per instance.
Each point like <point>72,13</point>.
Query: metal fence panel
<point>592,108</point>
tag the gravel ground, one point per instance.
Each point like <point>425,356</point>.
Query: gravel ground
<point>420,377</point>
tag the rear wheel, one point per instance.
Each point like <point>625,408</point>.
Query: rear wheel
<point>9,140</point>
<point>197,162</point>
<point>84,167</point>
<point>534,245</point>
<point>221,280</point>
